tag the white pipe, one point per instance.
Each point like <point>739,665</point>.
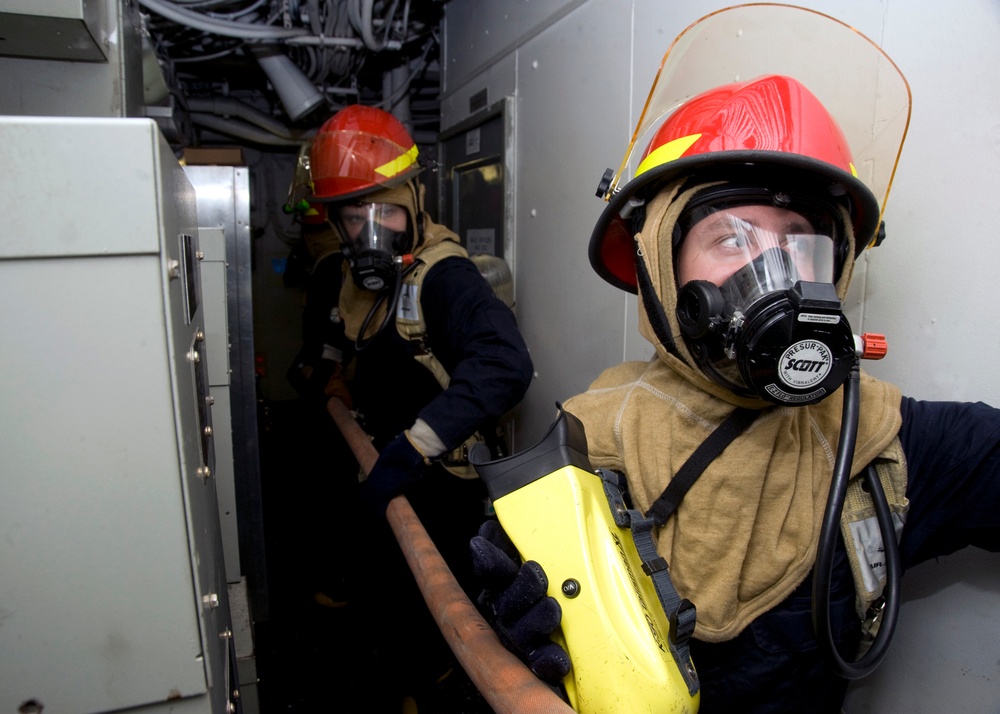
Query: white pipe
<point>395,99</point>
<point>298,94</point>
<point>366,25</point>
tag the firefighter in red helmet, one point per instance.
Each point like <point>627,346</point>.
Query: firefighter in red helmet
<point>789,488</point>
<point>436,361</point>
<point>766,147</point>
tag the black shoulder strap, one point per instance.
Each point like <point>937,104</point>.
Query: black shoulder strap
<point>733,425</point>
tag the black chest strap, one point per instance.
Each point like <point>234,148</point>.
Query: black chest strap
<point>681,613</point>
<point>723,435</point>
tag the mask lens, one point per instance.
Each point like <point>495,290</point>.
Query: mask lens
<point>374,226</point>
<point>783,246</point>
<point>805,254</point>
<point>776,261</point>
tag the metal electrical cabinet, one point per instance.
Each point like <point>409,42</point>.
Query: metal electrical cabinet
<point>223,199</point>
<point>112,582</point>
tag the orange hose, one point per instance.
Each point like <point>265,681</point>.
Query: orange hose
<point>503,680</point>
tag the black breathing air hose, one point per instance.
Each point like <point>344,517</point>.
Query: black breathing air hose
<point>390,312</point>
<point>823,569</point>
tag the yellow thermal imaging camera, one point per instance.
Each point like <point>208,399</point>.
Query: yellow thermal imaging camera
<point>624,627</point>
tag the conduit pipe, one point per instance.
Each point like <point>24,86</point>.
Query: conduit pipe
<point>250,31</point>
<point>241,130</point>
<point>504,681</point>
<point>323,40</point>
<point>241,30</point>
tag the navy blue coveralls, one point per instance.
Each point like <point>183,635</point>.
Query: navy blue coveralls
<point>775,665</point>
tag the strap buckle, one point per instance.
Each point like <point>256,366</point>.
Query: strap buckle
<point>682,622</point>
<point>456,457</point>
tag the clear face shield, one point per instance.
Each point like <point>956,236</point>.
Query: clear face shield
<point>746,41</point>
<point>375,234</point>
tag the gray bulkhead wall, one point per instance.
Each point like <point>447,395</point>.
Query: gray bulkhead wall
<point>579,72</point>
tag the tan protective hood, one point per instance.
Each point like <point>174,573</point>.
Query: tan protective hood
<point>746,533</point>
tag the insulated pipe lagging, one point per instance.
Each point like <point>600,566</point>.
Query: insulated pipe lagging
<point>240,130</point>
<point>296,91</point>
<point>229,107</point>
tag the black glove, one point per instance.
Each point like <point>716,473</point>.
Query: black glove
<point>522,614</point>
<point>398,464</point>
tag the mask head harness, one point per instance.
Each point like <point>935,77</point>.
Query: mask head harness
<point>768,323</point>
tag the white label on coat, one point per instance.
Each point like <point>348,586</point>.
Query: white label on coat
<point>407,308</point>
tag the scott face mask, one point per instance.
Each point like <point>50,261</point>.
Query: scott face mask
<point>757,305</point>
<point>376,234</point>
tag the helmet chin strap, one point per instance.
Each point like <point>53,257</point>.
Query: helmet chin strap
<point>654,308</point>
<point>417,190</point>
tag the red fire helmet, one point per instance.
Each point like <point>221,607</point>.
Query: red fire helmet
<point>769,126</point>
<point>358,150</point>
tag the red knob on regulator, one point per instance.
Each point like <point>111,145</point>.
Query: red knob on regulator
<point>871,345</point>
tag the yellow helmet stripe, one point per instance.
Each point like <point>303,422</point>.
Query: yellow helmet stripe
<point>668,152</point>
<point>399,164</point>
